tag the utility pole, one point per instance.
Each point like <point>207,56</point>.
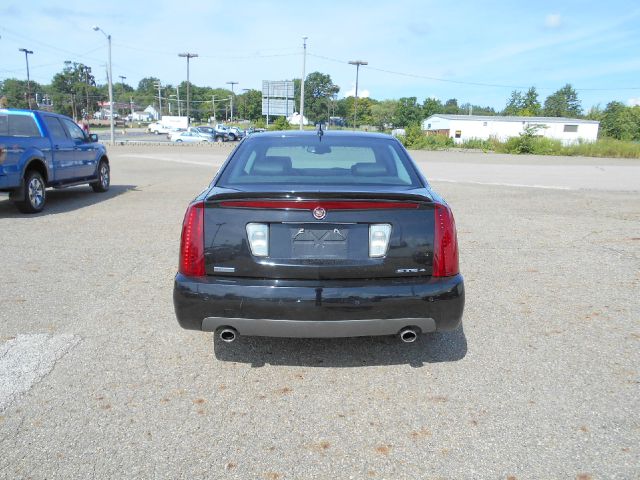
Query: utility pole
<point>26,57</point>
<point>188,56</point>
<point>110,75</point>
<point>122,79</point>
<point>304,66</point>
<point>357,63</point>
<point>159,87</point>
<point>178,96</point>
<point>232,84</point>
<point>213,103</point>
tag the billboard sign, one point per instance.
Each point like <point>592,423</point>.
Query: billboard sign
<point>277,98</point>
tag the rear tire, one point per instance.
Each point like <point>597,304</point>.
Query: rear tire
<point>219,140</point>
<point>104,178</point>
<point>35,194</point>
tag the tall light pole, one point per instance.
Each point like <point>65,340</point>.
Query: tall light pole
<point>188,56</point>
<point>357,63</point>
<point>26,57</point>
<point>122,79</point>
<point>232,84</point>
<point>304,66</point>
<point>111,125</point>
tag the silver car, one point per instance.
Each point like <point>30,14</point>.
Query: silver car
<point>190,137</point>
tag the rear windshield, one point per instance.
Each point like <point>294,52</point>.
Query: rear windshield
<point>309,160</point>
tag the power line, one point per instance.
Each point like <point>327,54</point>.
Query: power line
<point>462,82</point>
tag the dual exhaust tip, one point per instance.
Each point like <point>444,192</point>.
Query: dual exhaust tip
<point>230,334</point>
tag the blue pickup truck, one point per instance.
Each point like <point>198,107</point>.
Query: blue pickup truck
<point>42,149</point>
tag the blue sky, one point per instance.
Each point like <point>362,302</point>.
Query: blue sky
<point>477,52</point>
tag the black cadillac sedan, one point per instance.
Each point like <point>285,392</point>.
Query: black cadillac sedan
<point>319,234</point>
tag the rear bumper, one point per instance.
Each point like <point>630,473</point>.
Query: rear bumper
<point>309,308</point>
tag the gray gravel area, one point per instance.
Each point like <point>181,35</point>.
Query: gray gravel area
<point>540,382</point>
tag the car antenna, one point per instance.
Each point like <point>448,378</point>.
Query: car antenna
<point>320,132</point>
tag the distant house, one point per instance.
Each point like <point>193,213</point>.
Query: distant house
<point>466,127</point>
<point>153,112</point>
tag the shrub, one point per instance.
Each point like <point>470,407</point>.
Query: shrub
<point>281,123</point>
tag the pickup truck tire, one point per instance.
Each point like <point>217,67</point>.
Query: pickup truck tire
<point>232,137</point>
<point>104,178</point>
<point>35,193</point>
<point>219,139</point>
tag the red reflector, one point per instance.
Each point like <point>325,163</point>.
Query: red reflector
<point>311,204</point>
<point>192,242</point>
<point>445,244</point>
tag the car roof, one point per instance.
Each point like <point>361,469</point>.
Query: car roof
<point>329,133</point>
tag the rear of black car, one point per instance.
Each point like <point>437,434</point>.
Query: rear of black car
<point>307,235</point>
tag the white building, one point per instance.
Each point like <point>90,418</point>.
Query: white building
<point>466,127</point>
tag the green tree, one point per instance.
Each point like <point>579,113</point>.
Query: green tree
<point>407,112</point>
<point>451,107</point>
<point>250,105</point>
<point>563,103</point>
<point>620,122</point>
<point>280,123</point>
<point>431,106</point>
<point>14,92</point>
<point>318,92</point>
<point>382,113</point>
<point>530,105</point>
<point>515,104</point>
<point>73,90</point>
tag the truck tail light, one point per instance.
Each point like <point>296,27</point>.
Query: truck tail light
<point>445,243</point>
<point>258,234</point>
<point>192,242</point>
<point>379,235</point>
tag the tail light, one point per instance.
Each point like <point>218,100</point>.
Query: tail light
<point>192,242</point>
<point>258,234</point>
<point>445,244</point>
<point>379,234</point>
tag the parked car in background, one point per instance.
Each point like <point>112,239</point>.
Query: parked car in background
<point>191,136</point>
<point>158,128</point>
<point>252,130</point>
<point>40,150</point>
<point>327,234</point>
<point>218,136</point>
<point>238,132</point>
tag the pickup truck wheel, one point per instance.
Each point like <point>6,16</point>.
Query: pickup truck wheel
<point>219,140</point>
<point>35,194</point>
<point>104,178</point>
<point>232,137</point>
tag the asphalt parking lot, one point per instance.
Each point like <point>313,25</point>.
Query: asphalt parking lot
<point>97,380</point>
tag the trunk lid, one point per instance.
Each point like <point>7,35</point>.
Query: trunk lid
<point>302,246</point>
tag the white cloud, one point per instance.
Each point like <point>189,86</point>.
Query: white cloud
<point>552,20</point>
<point>634,102</point>
<point>362,93</point>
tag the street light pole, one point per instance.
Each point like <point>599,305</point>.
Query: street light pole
<point>188,56</point>
<point>357,63</point>
<point>26,57</point>
<point>111,125</point>
<point>232,84</point>
<point>304,66</point>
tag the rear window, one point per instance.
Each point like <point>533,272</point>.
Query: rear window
<point>18,126</point>
<point>309,160</point>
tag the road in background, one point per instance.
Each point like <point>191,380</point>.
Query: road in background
<point>541,382</point>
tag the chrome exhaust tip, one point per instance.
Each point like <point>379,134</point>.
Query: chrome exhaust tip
<point>408,335</point>
<point>228,334</point>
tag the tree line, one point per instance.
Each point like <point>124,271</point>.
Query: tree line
<point>74,92</point>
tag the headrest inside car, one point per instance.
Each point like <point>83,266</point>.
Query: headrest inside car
<point>272,166</point>
<point>368,169</point>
